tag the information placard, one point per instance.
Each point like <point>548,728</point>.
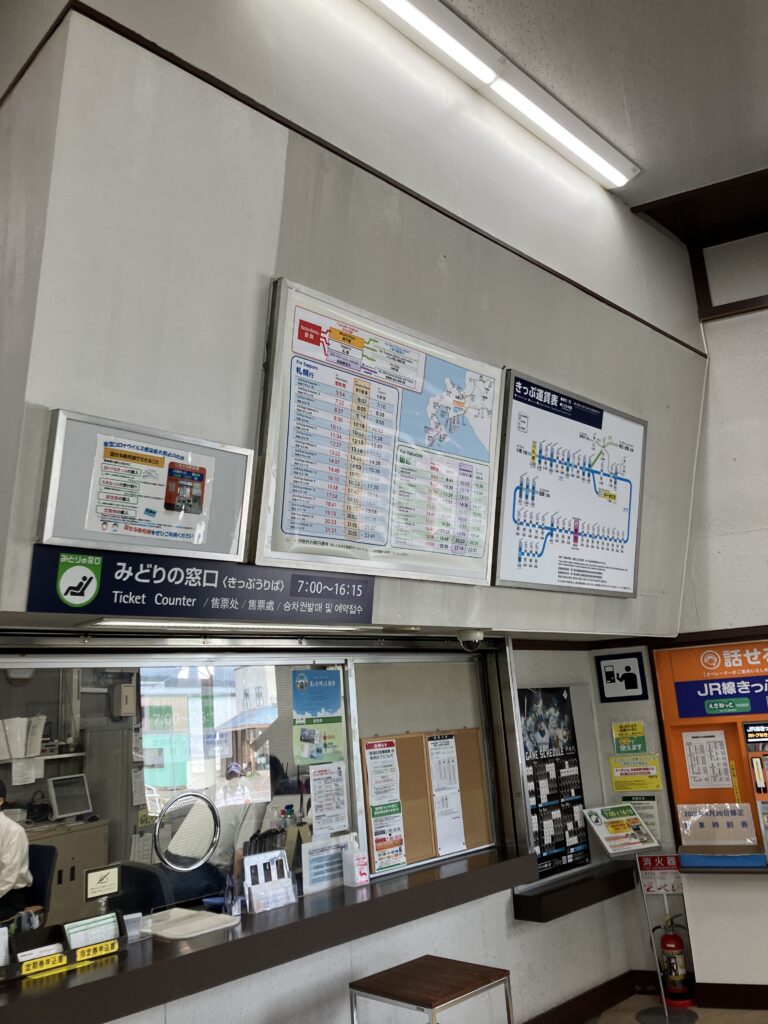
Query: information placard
<point>126,487</point>
<point>572,493</point>
<point>381,448</point>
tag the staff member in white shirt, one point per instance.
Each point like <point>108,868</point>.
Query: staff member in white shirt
<point>14,863</point>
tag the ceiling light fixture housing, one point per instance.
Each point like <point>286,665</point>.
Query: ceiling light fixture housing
<point>457,46</point>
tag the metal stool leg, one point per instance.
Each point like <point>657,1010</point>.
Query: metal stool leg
<point>353,1007</point>
<point>508,1001</point>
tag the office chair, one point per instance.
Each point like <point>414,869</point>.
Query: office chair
<point>42,861</point>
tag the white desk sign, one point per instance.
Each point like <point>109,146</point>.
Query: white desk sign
<point>116,486</point>
<point>101,882</point>
<point>572,493</point>
<point>381,451</point>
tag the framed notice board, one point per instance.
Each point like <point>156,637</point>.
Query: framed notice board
<point>425,796</point>
<point>573,484</point>
<point>381,447</point>
<point>126,487</point>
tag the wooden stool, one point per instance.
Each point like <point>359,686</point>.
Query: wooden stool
<point>429,984</point>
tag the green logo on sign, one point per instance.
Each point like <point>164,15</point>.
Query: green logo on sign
<point>78,579</point>
<point>616,812</point>
<point>728,706</point>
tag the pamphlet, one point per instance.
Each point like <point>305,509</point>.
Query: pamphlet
<point>620,829</point>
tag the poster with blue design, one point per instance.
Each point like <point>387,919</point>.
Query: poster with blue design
<point>382,448</point>
<point>318,716</point>
<point>572,493</point>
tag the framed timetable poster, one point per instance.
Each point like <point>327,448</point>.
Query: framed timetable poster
<point>381,448</point>
<point>573,480</point>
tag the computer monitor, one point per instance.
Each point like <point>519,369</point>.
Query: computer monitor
<point>68,796</point>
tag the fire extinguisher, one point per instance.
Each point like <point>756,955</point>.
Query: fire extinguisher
<point>677,988</point>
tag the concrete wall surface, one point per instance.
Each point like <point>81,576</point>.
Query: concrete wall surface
<point>185,203</point>
<point>728,557</point>
<point>336,69</point>
<point>28,124</point>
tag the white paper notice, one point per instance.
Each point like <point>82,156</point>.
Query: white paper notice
<point>383,771</point>
<point>137,785</point>
<point>706,755</point>
<point>156,493</point>
<point>23,771</point>
<point>446,795</point>
<point>384,800</point>
<point>328,785</point>
<point>648,811</point>
<point>141,847</point>
<point>35,735</point>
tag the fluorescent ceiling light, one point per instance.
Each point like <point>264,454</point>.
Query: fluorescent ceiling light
<point>442,34</point>
<point>548,124</point>
<point>441,39</point>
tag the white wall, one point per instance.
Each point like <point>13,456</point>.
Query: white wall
<point>728,556</point>
<point>549,963</point>
<point>336,69</point>
<point>738,270</point>
<point>27,137</point>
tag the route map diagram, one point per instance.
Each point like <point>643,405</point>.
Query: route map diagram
<point>387,448</point>
<point>572,493</point>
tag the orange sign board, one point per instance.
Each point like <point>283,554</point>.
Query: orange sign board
<point>708,696</point>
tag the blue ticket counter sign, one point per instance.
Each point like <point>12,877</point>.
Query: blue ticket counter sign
<point>120,583</point>
<point>739,696</point>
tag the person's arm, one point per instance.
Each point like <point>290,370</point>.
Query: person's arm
<point>14,861</point>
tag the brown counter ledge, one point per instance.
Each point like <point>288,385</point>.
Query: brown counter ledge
<point>565,894</point>
<point>151,973</point>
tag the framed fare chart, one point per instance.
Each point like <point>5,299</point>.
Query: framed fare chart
<point>121,486</point>
<point>381,449</point>
<point>573,476</point>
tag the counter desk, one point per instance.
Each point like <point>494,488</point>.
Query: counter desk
<point>153,972</point>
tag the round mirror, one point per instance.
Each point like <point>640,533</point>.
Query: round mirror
<point>186,832</point>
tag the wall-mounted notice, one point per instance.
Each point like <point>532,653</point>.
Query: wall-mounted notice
<point>382,448</point>
<point>572,493</point>
<point>122,486</point>
<point>632,773</point>
<point>628,737</point>
<point>706,757</point>
<point>446,793</point>
<point>648,810</point>
<point>318,716</point>
<point>384,800</point>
